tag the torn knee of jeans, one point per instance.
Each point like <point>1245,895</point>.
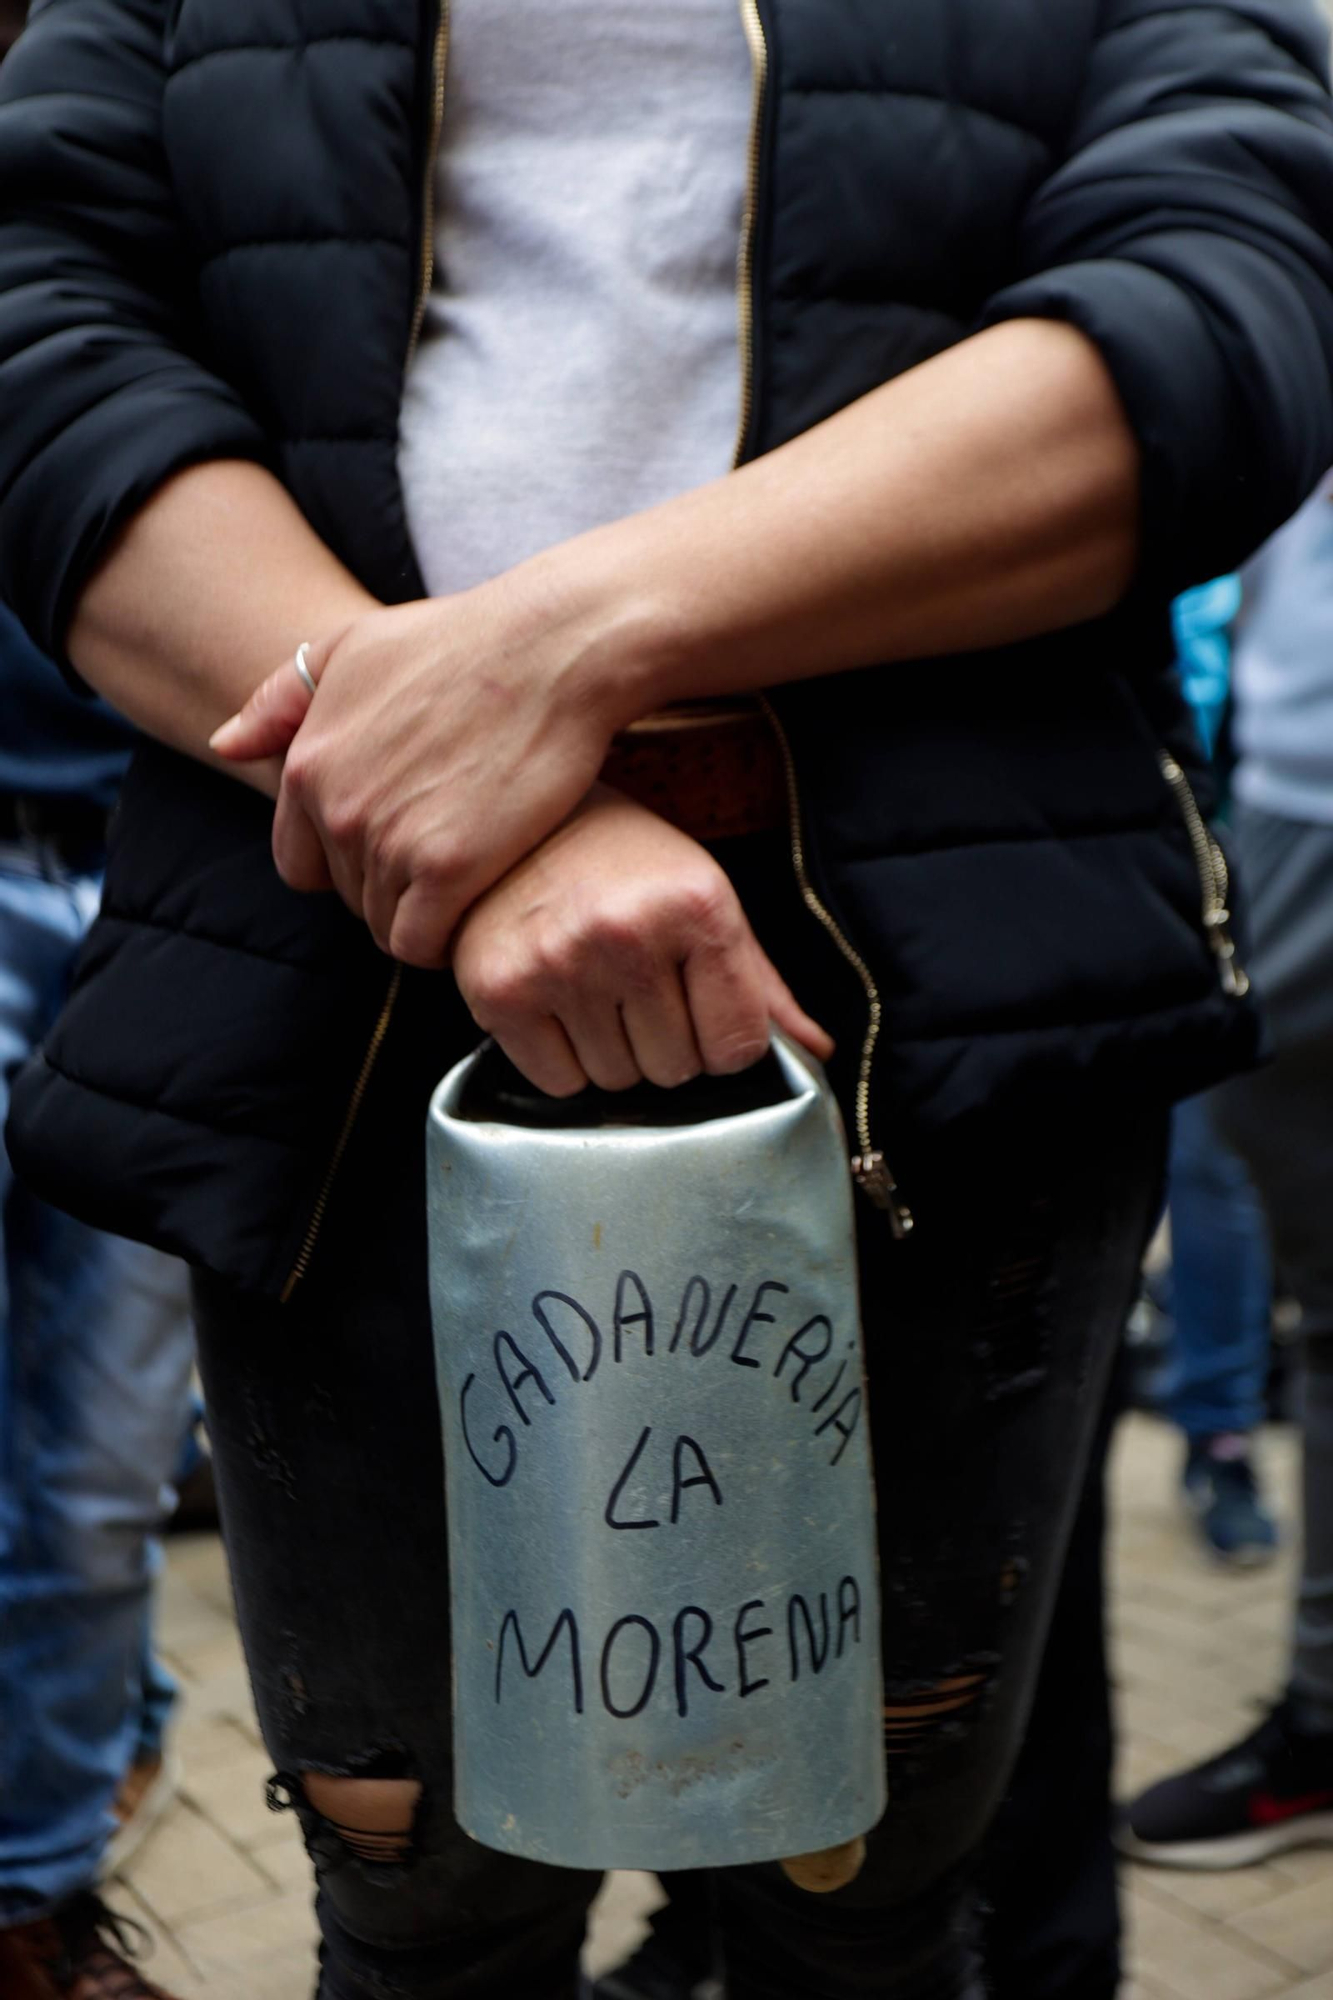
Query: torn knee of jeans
<point>372,1817</point>
<point>915,1714</point>
<point>369,1808</point>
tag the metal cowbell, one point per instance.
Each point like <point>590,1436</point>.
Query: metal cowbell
<point>661,1508</point>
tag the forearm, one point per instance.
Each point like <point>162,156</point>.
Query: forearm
<point>209,586</point>
<point>986,496</point>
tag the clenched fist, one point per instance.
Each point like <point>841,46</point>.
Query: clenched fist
<point>619,951</point>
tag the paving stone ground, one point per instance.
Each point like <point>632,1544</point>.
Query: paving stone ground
<point>223,1883</point>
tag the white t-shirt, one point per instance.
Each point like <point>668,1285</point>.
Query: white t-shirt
<point>578,357</point>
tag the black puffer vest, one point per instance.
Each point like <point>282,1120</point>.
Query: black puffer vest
<point>215,249</point>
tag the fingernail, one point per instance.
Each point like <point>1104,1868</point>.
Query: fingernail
<point>226,734</point>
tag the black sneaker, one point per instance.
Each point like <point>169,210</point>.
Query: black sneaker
<point>1272,1791</point>
<point>1222,1493</point>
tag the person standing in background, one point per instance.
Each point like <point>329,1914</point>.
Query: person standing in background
<point>96,1352</point>
<point>1274,1789</point>
<point>1221,1287</point>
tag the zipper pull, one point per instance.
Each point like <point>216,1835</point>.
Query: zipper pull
<point>1211,863</point>
<point>1235,980</point>
<point>871,1173</point>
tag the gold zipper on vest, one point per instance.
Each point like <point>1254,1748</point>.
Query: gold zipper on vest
<point>1214,879</point>
<point>425,278</point>
<point>426,254</point>
<point>359,1089</point>
<point>758,41</point>
<point>869,1167</point>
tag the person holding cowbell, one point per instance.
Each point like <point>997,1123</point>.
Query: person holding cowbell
<point>523,652</point>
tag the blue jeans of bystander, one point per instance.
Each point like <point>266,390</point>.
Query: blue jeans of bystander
<point>95,1358</point>
<point>1221,1283</point>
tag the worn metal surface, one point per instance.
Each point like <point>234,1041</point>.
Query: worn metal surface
<point>662,1548</point>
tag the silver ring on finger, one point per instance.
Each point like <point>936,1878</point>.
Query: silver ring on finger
<point>308,681</point>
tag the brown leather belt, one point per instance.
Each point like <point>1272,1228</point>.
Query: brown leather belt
<point>712,768</point>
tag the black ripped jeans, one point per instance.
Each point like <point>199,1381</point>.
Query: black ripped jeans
<point>990,1335</point>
